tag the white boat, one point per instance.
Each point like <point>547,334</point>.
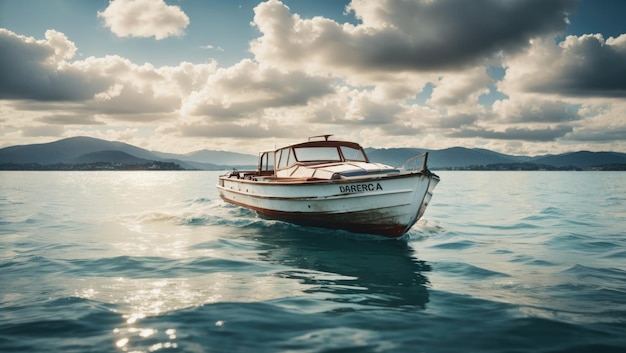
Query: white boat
<point>332,184</point>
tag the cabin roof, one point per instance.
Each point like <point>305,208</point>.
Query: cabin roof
<point>324,144</point>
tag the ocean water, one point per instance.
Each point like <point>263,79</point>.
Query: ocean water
<point>156,262</point>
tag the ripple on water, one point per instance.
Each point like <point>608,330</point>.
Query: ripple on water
<point>587,272</point>
<point>465,270</point>
<point>456,245</point>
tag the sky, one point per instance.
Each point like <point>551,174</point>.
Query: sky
<point>523,77</point>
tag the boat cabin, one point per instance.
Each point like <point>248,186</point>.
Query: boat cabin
<point>316,158</point>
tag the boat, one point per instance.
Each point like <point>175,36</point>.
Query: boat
<point>332,184</point>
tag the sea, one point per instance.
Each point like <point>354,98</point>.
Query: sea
<point>154,261</point>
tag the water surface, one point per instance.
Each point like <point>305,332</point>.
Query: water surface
<point>154,261</point>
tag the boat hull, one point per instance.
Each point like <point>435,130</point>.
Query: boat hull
<point>384,205</point>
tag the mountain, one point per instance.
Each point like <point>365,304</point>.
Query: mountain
<point>66,150</point>
<point>108,157</point>
<point>582,159</point>
<point>222,157</point>
<point>214,157</point>
<point>455,157</point>
<point>392,156</point>
<point>476,158</point>
<point>86,150</point>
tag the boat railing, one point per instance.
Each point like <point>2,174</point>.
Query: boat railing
<point>418,163</point>
<point>242,174</point>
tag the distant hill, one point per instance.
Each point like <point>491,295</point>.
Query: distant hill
<point>463,157</point>
<point>222,157</point>
<point>481,159</point>
<point>88,150</point>
<point>582,159</point>
<point>455,157</point>
<point>392,156</point>
<point>108,157</point>
<point>66,150</point>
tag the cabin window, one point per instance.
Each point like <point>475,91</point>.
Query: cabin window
<point>353,154</point>
<point>284,158</point>
<point>292,158</point>
<point>279,156</point>
<point>311,154</point>
<point>266,161</point>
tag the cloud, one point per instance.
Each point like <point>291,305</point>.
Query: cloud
<point>460,87</point>
<point>521,118</point>
<point>597,135</point>
<point>409,73</point>
<point>457,121</point>
<point>535,110</point>
<point>351,111</point>
<point>42,130</point>
<point>515,133</point>
<point>605,124</point>
<point>397,36</point>
<point>36,69</point>
<point>114,88</point>
<point>69,119</point>
<point>144,18</point>
<point>584,66</point>
<point>39,76</point>
<point>248,88</point>
<point>210,47</point>
<point>356,108</point>
<point>235,130</point>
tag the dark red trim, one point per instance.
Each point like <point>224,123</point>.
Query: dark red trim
<point>352,222</point>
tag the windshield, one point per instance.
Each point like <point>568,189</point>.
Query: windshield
<point>352,154</point>
<point>311,154</point>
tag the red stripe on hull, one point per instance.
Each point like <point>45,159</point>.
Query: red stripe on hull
<point>356,222</point>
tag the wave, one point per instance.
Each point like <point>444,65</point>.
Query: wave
<point>65,324</point>
<point>297,325</point>
<point>467,271</point>
<point>197,212</point>
<point>581,271</point>
<point>457,245</point>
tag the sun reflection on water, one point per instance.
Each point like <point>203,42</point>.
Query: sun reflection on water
<point>139,299</point>
<point>132,334</point>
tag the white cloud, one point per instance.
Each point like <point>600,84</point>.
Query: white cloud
<point>398,47</point>
<point>248,88</point>
<point>398,36</point>
<point>530,109</point>
<point>314,76</point>
<point>42,130</point>
<point>69,119</point>
<point>35,69</point>
<point>63,48</point>
<point>460,87</point>
<point>577,67</point>
<point>605,126</point>
<point>144,18</point>
<point>210,47</point>
<point>38,76</point>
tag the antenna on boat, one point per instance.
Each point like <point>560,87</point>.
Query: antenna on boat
<point>318,136</point>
